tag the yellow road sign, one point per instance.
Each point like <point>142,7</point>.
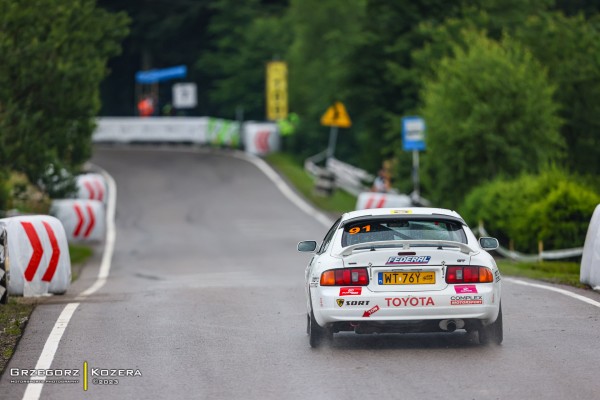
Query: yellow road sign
<point>277,97</point>
<point>336,115</point>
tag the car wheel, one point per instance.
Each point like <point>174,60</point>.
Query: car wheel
<point>492,333</point>
<point>316,333</point>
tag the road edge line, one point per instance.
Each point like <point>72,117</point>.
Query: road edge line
<point>284,188</point>
<point>555,289</point>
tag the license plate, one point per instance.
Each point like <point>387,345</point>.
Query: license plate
<point>407,278</point>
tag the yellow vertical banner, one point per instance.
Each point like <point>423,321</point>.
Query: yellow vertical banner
<point>277,95</point>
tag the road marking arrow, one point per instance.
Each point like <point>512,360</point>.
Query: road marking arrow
<point>80,218</point>
<point>92,221</point>
<point>49,274</point>
<point>38,251</point>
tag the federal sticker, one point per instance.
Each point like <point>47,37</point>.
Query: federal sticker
<point>401,212</point>
<point>408,260</point>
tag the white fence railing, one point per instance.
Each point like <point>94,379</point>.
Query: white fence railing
<point>544,255</point>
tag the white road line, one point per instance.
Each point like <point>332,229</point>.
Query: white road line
<point>34,390</point>
<point>284,188</point>
<point>554,289</point>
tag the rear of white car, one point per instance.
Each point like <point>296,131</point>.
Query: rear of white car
<point>403,270</point>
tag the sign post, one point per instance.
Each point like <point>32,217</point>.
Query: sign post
<point>413,139</point>
<point>335,117</point>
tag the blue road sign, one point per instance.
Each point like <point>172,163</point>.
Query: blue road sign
<point>159,75</point>
<point>413,133</point>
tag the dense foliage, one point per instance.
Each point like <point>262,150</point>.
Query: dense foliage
<point>552,207</point>
<point>505,86</point>
<point>489,111</point>
<point>52,60</point>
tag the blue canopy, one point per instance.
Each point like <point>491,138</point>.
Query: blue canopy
<point>158,75</point>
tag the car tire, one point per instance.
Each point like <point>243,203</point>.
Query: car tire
<point>492,333</point>
<point>316,333</point>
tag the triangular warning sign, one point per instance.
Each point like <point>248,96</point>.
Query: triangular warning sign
<point>336,115</point>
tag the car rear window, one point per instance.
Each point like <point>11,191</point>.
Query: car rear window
<point>402,229</point>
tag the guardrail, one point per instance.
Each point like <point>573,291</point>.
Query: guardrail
<point>543,255</point>
<point>347,177</point>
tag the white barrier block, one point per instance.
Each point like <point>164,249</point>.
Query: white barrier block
<point>83,220</point>
<point>91,186</point>
<point>590,259</point>
<point>38,255</point>
<point>368,200</point>
<point>260,138</point>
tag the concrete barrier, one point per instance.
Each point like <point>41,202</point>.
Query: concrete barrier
<point>83,220</point>
<point>590,259</point>
<point>260,138</point>
<point>91,186</point>
<point>368,200</point>
<point>3,265</point>
<point>39,260</point>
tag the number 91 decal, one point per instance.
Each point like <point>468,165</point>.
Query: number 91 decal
<point>357,229</point>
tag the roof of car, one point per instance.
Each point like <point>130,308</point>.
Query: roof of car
<point>408,211</point>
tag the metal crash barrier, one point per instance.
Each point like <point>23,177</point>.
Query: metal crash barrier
<point>258,138</point>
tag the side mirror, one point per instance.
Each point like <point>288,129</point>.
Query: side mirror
<point>307,246</point>
<point>488,243</point>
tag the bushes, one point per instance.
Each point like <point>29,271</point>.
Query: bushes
<point>552,207</point>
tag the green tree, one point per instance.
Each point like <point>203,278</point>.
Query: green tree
<point>247,36</point>
<point>570,48</point>
<point>489,111</point>
<point>52,59</point>
<point>324,36</point>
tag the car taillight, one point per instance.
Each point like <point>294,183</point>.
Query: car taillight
<point>468,274</point>
<point>345,277</point>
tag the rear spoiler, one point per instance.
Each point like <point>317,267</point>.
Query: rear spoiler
<point>405,244</point>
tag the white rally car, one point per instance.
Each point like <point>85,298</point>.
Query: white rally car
<point>402,270</point>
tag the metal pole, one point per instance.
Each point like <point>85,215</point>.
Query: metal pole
<point>332,140</point>
<point>417,189</point>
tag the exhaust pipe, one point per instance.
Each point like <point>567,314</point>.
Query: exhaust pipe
<point>451,326</point>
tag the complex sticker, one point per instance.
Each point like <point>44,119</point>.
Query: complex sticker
<point>465,300</point>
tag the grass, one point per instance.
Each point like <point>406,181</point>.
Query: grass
<point>340,202</point>
<point>13,318</point>
<point>564,272</point>
<point>79,254</point>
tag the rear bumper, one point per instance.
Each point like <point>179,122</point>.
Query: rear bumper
<point>482,304</point>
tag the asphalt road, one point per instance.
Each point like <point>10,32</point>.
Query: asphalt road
<point>205,297</point>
